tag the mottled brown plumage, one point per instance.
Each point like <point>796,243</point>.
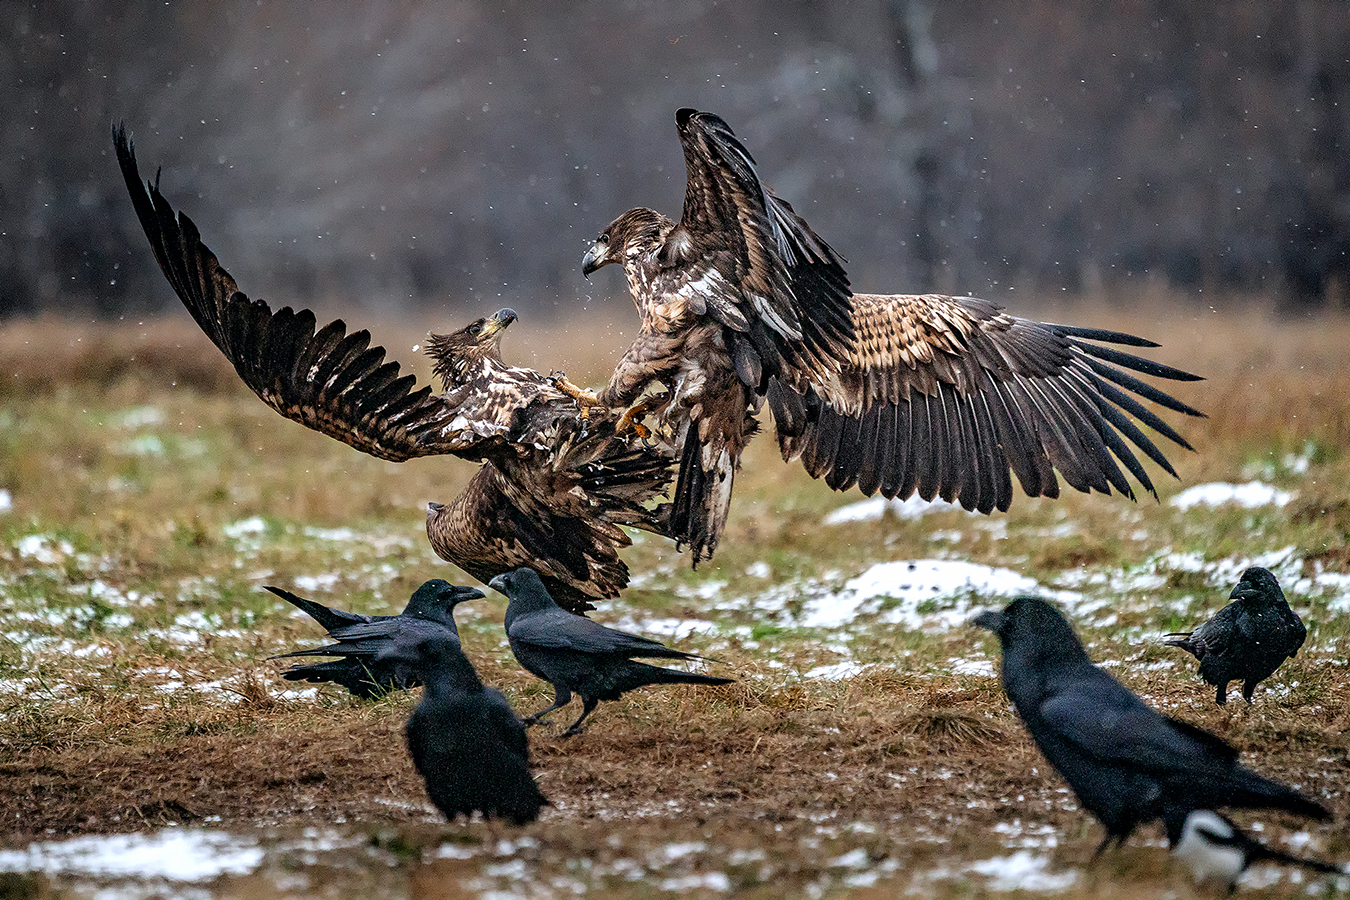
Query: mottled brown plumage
<point>741,304</point>
<point>554,487</point>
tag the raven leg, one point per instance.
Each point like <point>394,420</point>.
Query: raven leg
<point>588,705</point>
<point>1118,839</point>
<point>561,697</point>
<point>1247,688</point>
<point>1222,696</point>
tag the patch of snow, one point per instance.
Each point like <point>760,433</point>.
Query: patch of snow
<point>6,501</point>
<point>244,527</point>
<point>877,507</point>
<point>1217,493</point>
<point>670,629</point>
<point>836,671</point>
<point>711,881</point>
<point>173,854</point>
<point>312,583</point>
<point>935,594</point>
<point>43,548</point>
<point>754,570</point>
<point>1022,871</point>
<point>981,667</point>
<point>138,417</point>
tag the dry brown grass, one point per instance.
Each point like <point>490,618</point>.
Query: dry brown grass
<point>930,762</point>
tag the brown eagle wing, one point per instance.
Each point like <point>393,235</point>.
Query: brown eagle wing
<point>327,380</point>
<point>946,395</point>
<point>559,517</point>
<point>759,269</point>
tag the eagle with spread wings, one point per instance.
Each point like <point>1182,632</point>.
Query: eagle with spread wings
<point>554,486</point>
<point>741,304</point>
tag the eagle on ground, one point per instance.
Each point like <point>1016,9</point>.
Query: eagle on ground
<point>554,486</point>
<point>742,304</point>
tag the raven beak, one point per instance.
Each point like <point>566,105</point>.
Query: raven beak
<point>497,323</point>
<point>991,620</point>
<point>595,257</point>
<point>463,594</point>
<point>498,584</point>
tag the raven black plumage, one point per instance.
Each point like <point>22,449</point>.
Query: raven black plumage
<point>361,638</point>
<point>1248,639</point>
<point>576,654</point>
<point>465,740</point>
<point>1212,846</point>
<point>1126,763</point>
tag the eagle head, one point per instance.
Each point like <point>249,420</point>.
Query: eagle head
<point>461,354</point>
<point>636,233</point>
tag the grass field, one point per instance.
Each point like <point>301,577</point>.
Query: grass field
<point>866,749</point>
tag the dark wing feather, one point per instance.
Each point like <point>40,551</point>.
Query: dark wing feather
<point>945,396</point>
<point>558,517</point>
<point>778,283</point>
<point>330,381</point>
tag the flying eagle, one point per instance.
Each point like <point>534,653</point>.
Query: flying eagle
<point>554,485</point>
<point>741,303</point>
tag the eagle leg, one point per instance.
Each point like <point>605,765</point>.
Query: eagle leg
<point>585,399</point>
<point>631,420</point>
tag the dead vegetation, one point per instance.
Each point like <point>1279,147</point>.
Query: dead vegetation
<point>135,690</point>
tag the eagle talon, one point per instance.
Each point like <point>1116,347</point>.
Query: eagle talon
<point>630,421</point>
<point>585,399</point>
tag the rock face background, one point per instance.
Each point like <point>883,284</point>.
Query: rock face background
<point>417,152</point>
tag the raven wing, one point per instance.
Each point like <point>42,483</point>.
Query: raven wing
<point>1109,724</point>
<point>561,630</point>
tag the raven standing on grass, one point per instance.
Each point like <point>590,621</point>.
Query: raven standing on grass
<point>465,740</point>
<point>1211,846</point>
<point>573,653</point>
<point>1248,639</point>
<point>1126,763</point>
<point>360,638</point>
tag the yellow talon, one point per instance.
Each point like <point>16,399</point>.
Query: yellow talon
<point>629,420</point>
<point>585,399</point>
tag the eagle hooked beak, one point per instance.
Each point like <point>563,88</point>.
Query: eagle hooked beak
<point>595,257</point>
<point>498,322</point>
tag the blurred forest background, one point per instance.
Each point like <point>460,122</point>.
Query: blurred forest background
<point>413,154</point>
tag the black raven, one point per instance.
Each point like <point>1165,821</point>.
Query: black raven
<point>1127,764</point>
<point>573,653</point>
<point>464,738</point>
<point>360,638</point>
<point>1248,639</point>
<point>1213,847</point>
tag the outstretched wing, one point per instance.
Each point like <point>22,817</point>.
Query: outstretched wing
<point>327,380</point>
<point>944,395</point>
<point>754,265</point>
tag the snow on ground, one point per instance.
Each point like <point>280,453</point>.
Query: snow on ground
<point>6,501</point>
<point>173,854</point>
<point>928,594</point>
<point>877,507</point>
<point>1023,871</point>
<point>1217,493</point>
